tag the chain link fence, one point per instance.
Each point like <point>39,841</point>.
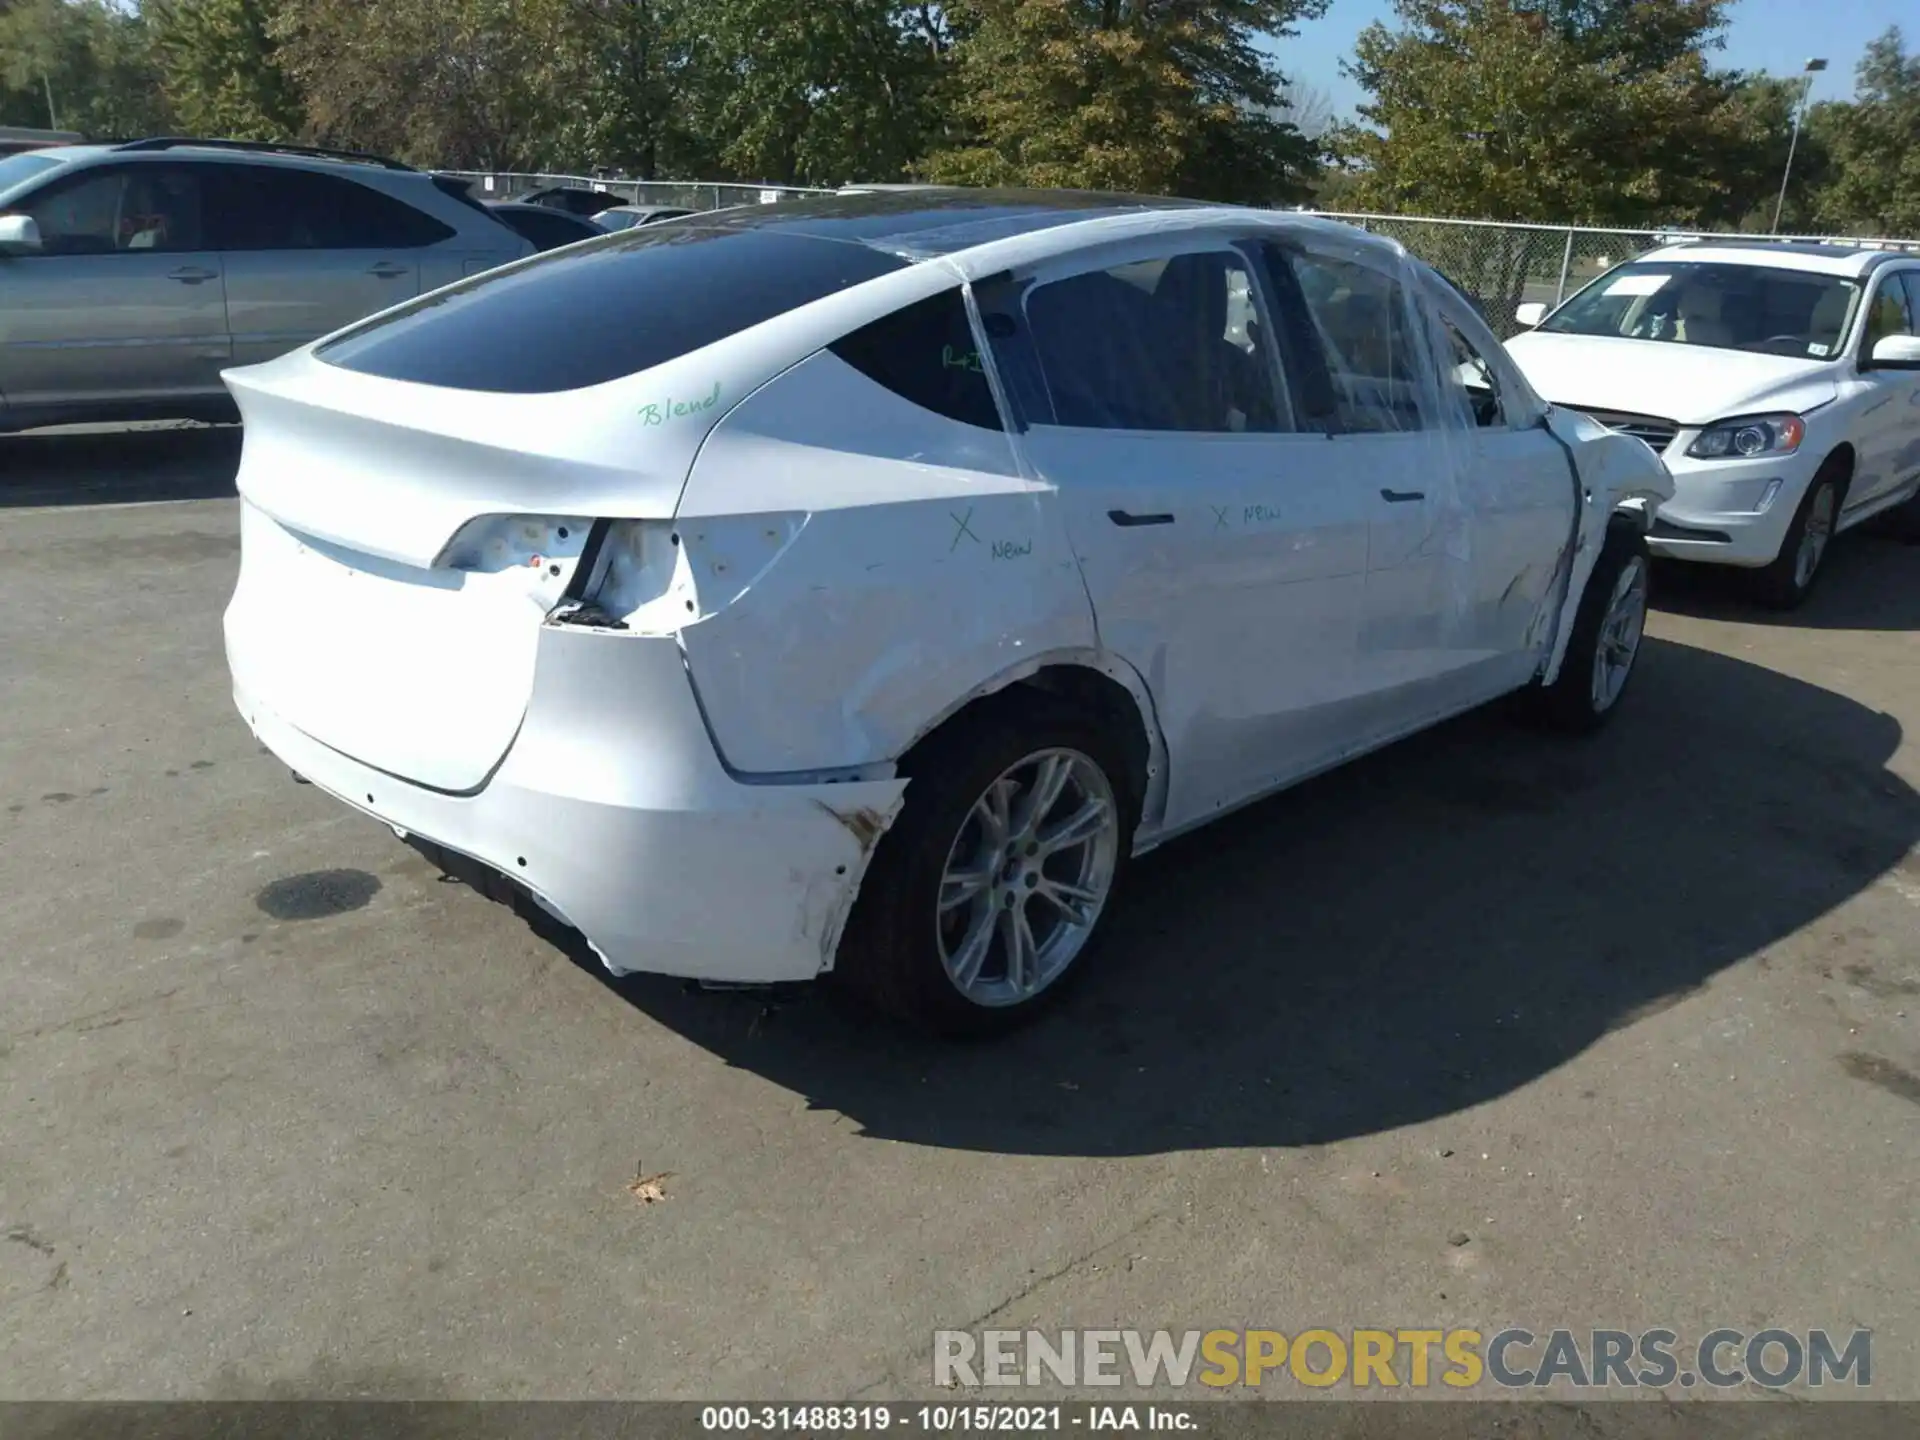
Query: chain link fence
<point>688,194</point>
<point>1501,267</point>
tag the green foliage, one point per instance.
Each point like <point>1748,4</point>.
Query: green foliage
<point>1600,112</point>
<point>814,94</point>
<point>1106,94</point>
<point>222,67</point>
<point>465,84</point>
<point>627,69</point>
<point>78,65</point>
<point>1585,111</point>
<point>1875,145</point>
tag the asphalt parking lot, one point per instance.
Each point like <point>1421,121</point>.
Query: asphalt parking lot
<point>1488,1029</point>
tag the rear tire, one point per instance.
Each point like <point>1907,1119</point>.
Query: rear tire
<point>1789,580</point>
<point>977,913</point>
<point>1604,649</point>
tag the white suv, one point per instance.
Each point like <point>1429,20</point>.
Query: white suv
<point>1780,383</point>
<point>859,584</point>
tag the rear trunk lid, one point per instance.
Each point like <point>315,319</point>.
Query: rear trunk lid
<point>402,545</point>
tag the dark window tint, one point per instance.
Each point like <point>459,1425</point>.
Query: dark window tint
<point>131,207</point>
<point>548,229</point>
<point>262,208</point>
<point>926,353</point>
<point>1169,344</point>
<point>584,317</point>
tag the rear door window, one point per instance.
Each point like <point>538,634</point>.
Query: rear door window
<point>583,317</point>
<point>1173,343</point>
<point>925,353</point>
<point>277,208</point>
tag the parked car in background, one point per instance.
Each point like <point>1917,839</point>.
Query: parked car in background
<point>131,275</point>
<point>858,584</point>
<point>15,139</point>
<point>1780,382</point>
<point>625,217</point>
<point>573,199</point>
<point>547,229</point>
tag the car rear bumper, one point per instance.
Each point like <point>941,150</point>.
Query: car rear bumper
<point>613,811</point>
<point>1730,512</point>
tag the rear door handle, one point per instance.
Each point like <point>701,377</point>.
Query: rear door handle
<point>1402,497</point>
<point>387,270</point>
<point>192,275</point>
<point>1125,517</point>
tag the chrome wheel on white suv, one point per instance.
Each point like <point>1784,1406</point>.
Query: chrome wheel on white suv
<point>1789,580</point>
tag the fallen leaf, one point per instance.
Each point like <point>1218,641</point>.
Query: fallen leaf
<point>649,1188</point>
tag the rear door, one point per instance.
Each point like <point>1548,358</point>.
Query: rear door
<point>307,253</point>
<point>123,301</point>
<point>1224,550</point>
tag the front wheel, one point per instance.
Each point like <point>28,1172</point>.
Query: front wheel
<point>1789,580</point>
<point>1605,644</point>
<point>984,897</point>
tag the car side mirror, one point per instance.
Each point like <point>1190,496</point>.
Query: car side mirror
<point>1530,314</point>
<point>19,234</point>
<point>1893,352</point>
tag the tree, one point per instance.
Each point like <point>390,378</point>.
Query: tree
<point>465,84</point>
<point>816,94</point>
<point>1875,145</point>
<point>629,65</point>
<point>223,69</point>
<point>78,65</point>
<point>1309,109</point>
<point>1166,96</point>
<point>1600,112</point>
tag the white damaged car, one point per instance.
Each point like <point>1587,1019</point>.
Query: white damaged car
<point>858,584</point>
<point>1780,382</point>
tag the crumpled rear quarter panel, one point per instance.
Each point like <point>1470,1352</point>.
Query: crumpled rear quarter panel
<point>927,566</point>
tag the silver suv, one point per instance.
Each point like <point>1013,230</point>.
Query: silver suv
<point>131,275</point>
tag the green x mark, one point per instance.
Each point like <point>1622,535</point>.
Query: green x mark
<point>962,527</point>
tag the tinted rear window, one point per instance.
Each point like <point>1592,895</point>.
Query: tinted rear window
<point>925,353</point>
<point>633,301</point>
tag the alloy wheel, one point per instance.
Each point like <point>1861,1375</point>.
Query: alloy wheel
<point>1027,877</point>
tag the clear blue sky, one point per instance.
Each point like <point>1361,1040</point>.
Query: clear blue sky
<point>1776,36</point>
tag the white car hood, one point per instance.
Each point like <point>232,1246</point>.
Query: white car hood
<point>1689,384</point>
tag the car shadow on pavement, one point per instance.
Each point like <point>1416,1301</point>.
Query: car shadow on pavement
<point>1871,582</point>
<point>1415,934</point>
<point>100,466</point>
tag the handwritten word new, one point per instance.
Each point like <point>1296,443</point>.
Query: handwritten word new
<point>671,409</point>
<point>1011,549</point>
<point>1261,515</point>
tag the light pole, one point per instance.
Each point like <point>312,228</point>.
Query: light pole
<point>1812,68</point>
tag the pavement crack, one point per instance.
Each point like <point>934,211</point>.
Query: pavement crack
<point>23,1235</point>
